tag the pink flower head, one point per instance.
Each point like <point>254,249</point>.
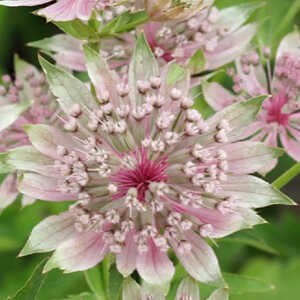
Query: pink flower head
<point>23,100</point>
<point>64,10</point>
<point>148,175</point>
<point>216,33</point>
<point>280,113</point>
<point>221,41</point>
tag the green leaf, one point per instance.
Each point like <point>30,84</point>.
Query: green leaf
<point>82,296</point>
<point>283,274</point>
<point>8,243</point>
<point>200,103</point>
<point>175,73</point>
<point>197,62</point>
<point>240,284</point>
<point>115,283</point>
<point>95,281</point>
<point>31,288</point>
<point>125,22</point>
<point>250,239</point>
<point>143,65</point>
<point>78,29</point>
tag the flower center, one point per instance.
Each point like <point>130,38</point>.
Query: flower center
<point>274,107</point>
<point>140,177</point>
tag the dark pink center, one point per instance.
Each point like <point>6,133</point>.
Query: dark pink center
<point>145,172</point>
<point>274,107</point>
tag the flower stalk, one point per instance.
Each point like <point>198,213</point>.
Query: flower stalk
<point>286,177</point>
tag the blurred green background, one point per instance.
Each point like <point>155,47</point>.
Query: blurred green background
<point>270,252</point>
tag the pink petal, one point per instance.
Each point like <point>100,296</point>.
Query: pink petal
<point>294,132</point>
<point>23,2</point>
<point>79,253</point>
<point>291,145</point>
<point>85,8</point>
<point>11,112</point>
<point>252,129</point>
<point>289,44</point>
<point>27,200</point>
<point>222,224</point>
<point>150,29</point>
<point>250,82</point>
<point>126,260</point>
<point>270,165</point>
<point>71,60</point>
<point>201,262</point>
<point>43,188</point>
<point>217,96</point>
<point>251,191</point>
<point>8,191</point>
<point>46,139</point>
<point>238,115</point>
<point>249,157</point>
<point>230,47</point>
<point>154,266</point>
<point>102,78</point>
<point>50,233</point>
<point>27,158</point>
<point>188,289</point>
<point>62,10</point>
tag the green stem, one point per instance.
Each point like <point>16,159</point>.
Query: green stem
<point>286,177</point>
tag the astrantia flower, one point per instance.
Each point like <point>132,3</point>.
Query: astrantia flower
<point>147,173</point>
<point>23,100</point>
<point>64,10</point>
<point>280,115</point>
<point>217,33</point>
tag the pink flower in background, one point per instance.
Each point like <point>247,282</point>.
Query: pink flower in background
<point>146,172</point>
<point>210,30</point>
<point>23,100</point>
<point>280,114</point>
<point>64,10</point>
<point>221,37</point>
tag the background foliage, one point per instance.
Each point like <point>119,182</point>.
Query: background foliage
<point>270,252</point>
